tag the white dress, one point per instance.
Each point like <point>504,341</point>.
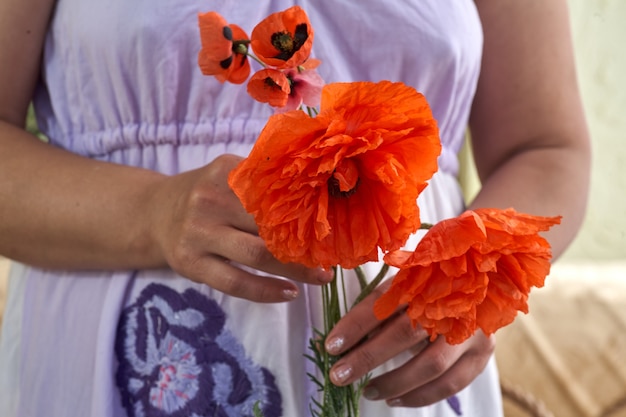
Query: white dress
<point>120,83</point>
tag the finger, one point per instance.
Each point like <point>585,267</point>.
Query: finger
<point>221,275</point>
<point>422,369</point>
<point>213,197</point>
<point>396,336</point>
<point>238,215</point>
<point>458,377</point>
<point>250,250</point>
<point>222,201</point>
<point>451,369</point>
<point>242,220</point>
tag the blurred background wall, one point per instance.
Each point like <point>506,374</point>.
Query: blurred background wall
<point>600,40</point>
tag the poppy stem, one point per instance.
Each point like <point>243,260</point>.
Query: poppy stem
<point>425,226</point>
<point>335,401</point>
<point>312,111</point>
<point>251,56</point>
<point>361,277</point>
<point>370,287</point>
<point>343,291</point>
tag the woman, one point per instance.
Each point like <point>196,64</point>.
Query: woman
<point>137,291</point>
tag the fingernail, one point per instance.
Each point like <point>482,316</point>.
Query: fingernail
<point>325,276</point>
<point>342,373</point>
<point>334,345</point>
<point>371,393</point>
<point>397,402</point>
<point>290,294</point>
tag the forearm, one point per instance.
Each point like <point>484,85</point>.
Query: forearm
<point>545,181</point>
<point>60,210</point>
<point>530,138</point>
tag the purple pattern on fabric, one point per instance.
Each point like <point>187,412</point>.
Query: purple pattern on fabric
<point>176,359</point>
<point>455,404</point>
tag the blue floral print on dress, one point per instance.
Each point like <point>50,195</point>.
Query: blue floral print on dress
<point>176,359</point>
<point>455,404</point>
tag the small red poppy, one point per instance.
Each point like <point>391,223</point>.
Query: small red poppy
<point>270,86</point>
<point>284,39</point>
<point>224,49</point>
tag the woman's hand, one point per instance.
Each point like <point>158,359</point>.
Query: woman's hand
<point>70,212</point>
<point>205,234</point>
<point>435,371</point>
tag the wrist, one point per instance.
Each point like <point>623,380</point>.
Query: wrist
<point>146,240</point>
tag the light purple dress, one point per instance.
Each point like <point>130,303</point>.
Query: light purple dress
<point>121,84</point>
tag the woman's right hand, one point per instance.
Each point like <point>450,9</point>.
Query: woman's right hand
<point>205,235</point>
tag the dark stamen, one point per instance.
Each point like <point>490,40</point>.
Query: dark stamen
<point>286,44</point>
<point>270,82</point>
<point>335,191</point>
<point>292,86</point>
<point>283,42</point>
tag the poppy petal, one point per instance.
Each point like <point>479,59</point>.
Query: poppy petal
<point>269,86</point>
<point>240,68</point>
<point>319,187</point>
<point>283,39</point>
<point>215,36</point>
<point>216,57</point>
<point>473,271</point>
<point>306,88</point>
<point>437,244</point>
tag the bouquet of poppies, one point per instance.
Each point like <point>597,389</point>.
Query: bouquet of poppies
<point>333,182</point>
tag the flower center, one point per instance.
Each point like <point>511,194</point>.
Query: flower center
<point>286,44</point>
<point>345,179</point>
<point>270,83</point>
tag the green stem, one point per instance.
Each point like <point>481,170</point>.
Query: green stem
<point>370,287</point>
<point>361,277</point>
<point>343,292</point>
<point>312,111</point>
<point>334,309</point>
<point>366,289</point>
<point>257,60</point>
<point>335,401</point>
<point>242,48</point>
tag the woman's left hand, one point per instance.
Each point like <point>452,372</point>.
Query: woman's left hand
<point>435,372</point>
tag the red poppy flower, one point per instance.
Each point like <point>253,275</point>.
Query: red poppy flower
<point>288,89</point>
<point>472,271</point>
<point>223,52</point>
<point>270,86</point>
<point>284,39</point>
<point>334,189</point>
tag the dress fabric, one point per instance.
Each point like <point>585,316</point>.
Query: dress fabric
<point>120,83</point>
